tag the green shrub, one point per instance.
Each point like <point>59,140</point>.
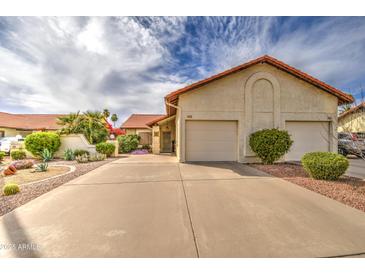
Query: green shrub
<point>42,167</point>
<point>127,143</point>
<point>84,158</point>
<point>2,156</point>
<point>79,152</point>
<point>325,165</point>
<point>46,155</point>
<point>148,147</point>
<point>17,154</point>
<point>10,189</point>
<point>270,144</point>
<point>69,155</point>
<point>37,142</point>
<point>105,148</point>
<point>97,157</point>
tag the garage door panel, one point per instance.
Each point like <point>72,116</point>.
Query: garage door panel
<point>308,137</point>
<point>211,140</point>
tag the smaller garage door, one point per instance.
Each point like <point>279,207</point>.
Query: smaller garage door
<point>307,137</point>
<point>211,141</point>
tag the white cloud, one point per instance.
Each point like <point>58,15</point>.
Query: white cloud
<point>60,65</point>
<point>63,64</point>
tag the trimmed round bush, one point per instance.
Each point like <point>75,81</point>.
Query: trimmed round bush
<point>37,142</point>
<point>105,148</point>
<point>17,154</point>
<point>325,165</point>
<point>11,189</point>
<point>270,144</point>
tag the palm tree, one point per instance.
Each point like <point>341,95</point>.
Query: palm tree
<point>94,125</point>
<point>114,118</point>
<point>70,123</point>
<point>106,113</point>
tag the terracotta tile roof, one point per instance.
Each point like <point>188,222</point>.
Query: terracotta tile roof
<point>140,120</point>
<point>343,97</point>
<point>163,117</point>
<point>29,121</point>
<point>351,110</point>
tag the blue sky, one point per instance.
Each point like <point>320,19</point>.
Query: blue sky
<point>127,64</point>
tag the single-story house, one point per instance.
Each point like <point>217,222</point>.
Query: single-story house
<point>138,124</point>
<point>352,120</point>
<point>211,120</point>
<point>24,124</point>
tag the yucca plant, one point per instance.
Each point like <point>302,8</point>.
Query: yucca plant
<point>46,155</point>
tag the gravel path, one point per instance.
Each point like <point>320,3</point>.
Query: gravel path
<point>31,191</point>
<point>347,190</point>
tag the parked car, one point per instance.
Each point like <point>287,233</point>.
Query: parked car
<point>349,143</point>
<point>7,143</point>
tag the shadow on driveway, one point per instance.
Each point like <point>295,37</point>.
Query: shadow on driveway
<point>18,240</point>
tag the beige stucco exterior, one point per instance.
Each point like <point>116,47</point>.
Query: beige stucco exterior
<point>258,97</point>
<point>158,137</point>
<point>352,122</point>
<point>130,131</point>
<point>12,132</point>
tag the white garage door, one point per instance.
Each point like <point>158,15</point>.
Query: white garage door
<point>307,137</point>
<point>211,141</point>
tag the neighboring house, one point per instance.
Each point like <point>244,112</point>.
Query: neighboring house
<point>24,124</point>
<point>211,120</point>
<point>352,120</point>
<point>137,124</point>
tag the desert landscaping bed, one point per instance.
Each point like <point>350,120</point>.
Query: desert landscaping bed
<point>25,176</point>
<point>31,191</point>
<point>347,190</point>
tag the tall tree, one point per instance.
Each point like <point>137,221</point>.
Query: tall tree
<point>90,123</point>
<point>70,123</point>
<point>114,118</point>
<point>106,113</point>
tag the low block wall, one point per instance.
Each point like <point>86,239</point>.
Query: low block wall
<point>74,141</point>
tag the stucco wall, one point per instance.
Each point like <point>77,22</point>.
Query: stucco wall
<point>354,122</point>
<point>74,141</point>
<point>257,97</point>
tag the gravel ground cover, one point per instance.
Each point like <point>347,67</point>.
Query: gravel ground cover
<point>347,190</point>
<point>31,191</point>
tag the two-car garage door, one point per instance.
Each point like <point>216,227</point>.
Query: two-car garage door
<point>211,141</point>
<point>217,140</point>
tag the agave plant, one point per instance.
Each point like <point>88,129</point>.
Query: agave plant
<point>42,167</point>
<point>69,155</point>
<point>46,155</point>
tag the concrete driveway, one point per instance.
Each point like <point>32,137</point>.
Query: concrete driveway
<point>356,168</point>
<point>151,206</point>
